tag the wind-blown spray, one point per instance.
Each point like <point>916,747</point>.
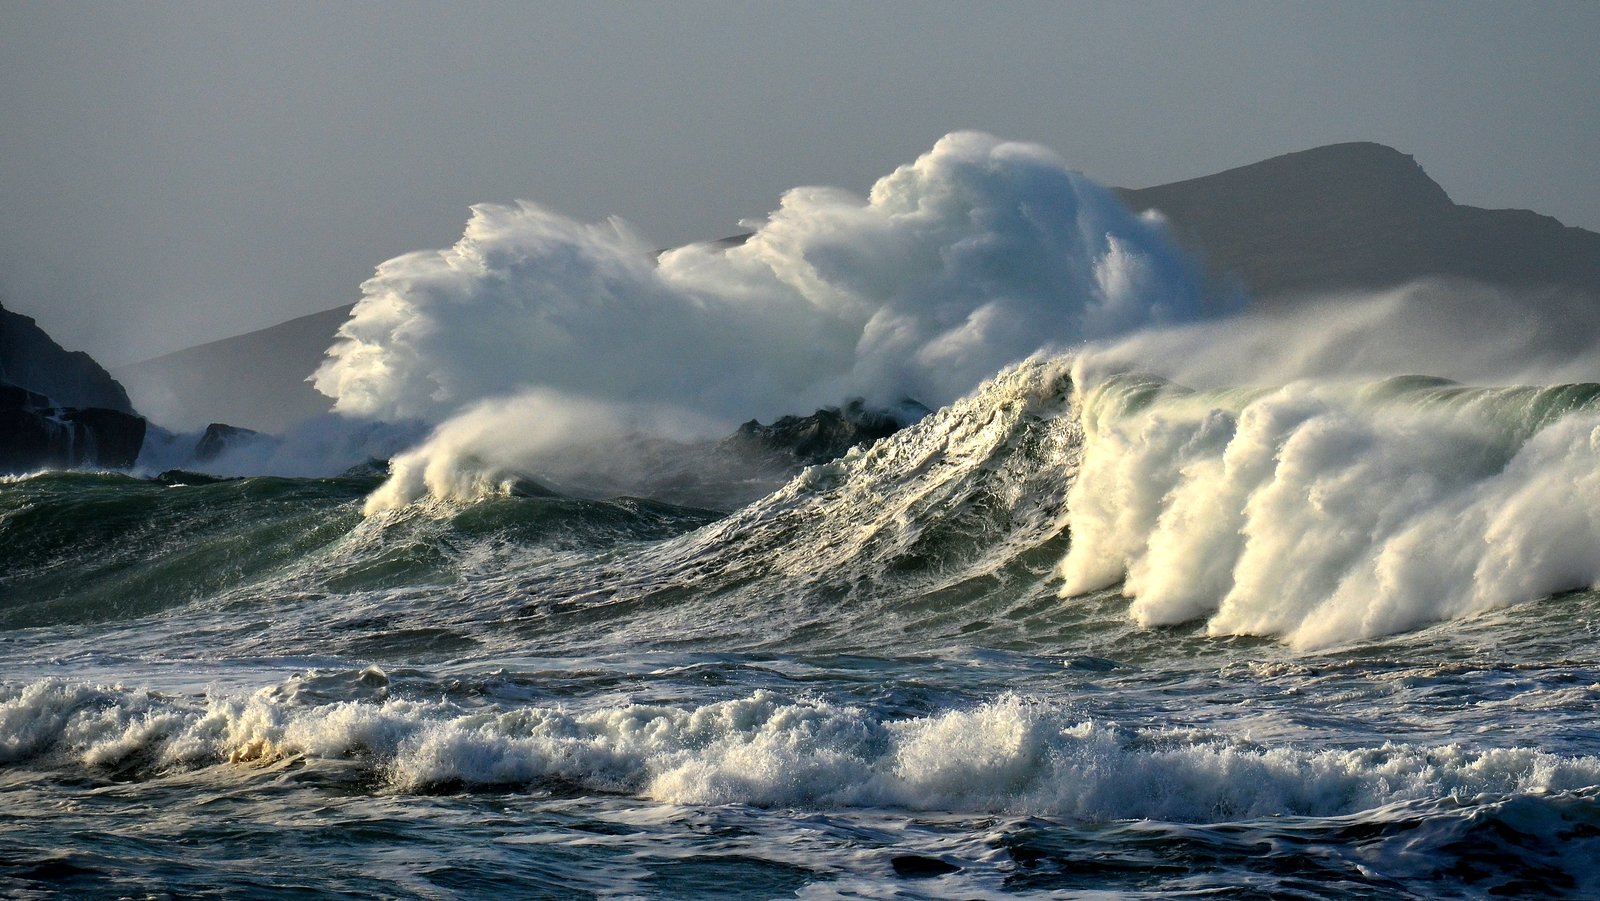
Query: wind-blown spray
<point>974,256</point>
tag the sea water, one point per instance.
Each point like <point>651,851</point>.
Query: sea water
<point>1120,640</point>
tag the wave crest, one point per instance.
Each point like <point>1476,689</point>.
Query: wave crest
<point>1328,513</point>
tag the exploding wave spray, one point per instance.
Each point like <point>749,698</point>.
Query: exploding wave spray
<point>867,673</point>
<point>1319,512</point>
<point>973,257</point>
<point>1342,505</point>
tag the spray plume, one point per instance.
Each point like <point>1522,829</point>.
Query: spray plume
<point>972,257</point>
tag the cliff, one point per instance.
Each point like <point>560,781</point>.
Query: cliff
<point>60,409</point>
<point>32,359</point>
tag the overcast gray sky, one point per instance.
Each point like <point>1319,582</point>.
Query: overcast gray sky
<point>172,173</point>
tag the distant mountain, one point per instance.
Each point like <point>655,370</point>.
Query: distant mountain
<point>1345,216</point>
<point>31,359</point>
<point>1360,215</point>
<point>256,380</point>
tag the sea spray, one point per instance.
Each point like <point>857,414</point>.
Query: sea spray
<point>974,256</point>
<point>1324,513</point>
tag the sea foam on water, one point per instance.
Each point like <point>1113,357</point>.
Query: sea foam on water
<point>1010,755</point>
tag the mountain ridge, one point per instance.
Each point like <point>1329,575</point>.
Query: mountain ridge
<point>1360,215</point>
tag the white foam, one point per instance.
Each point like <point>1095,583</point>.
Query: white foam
<point>1012,754</point>
<point>1322,514</point>
<point>973,257</point>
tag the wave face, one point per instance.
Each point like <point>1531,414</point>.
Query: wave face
<point>1328,513</point>
<point>957,514</point>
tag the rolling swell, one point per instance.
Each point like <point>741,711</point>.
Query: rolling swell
<point>948,527</point>
<point>87,547</point>
<point>81,547</point>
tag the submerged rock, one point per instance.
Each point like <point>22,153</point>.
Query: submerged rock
<point>371,468</point>
<point>173,477</point>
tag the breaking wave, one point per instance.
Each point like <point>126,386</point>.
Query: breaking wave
<point>1009,755</point>
<point>1325,513</point>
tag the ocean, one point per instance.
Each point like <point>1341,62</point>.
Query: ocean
<point>1116,639</point>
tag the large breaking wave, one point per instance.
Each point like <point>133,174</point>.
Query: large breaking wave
<point>1317,513</point>
<point>1324,513</point>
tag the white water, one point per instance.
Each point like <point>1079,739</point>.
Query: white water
<point>1322,514</point>
<point>533,328</point>
<point>1011,755</point>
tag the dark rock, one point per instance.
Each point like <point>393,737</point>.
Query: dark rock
<point>59,409</point>
<point>32,359</point>
<point>16,397</point>
<point>913,866</point>
<point>36,435</point>
<point>827,434</point>
<point>185,477</point>
<point>219,437</point>
<point>371,468</point>
<point>111,438</point>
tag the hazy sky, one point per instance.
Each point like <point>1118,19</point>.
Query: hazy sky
<point>171,173</point>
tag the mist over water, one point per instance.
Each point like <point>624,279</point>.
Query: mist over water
<point>1445,328</point>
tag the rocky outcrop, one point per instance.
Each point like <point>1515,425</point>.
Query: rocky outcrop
<point>37,434</point>
<point>827,434</point>
<point>219,437</point>
<point>32,359</point>
<point>59,409</point>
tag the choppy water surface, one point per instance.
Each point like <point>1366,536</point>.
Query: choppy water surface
<point>866,684</point>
